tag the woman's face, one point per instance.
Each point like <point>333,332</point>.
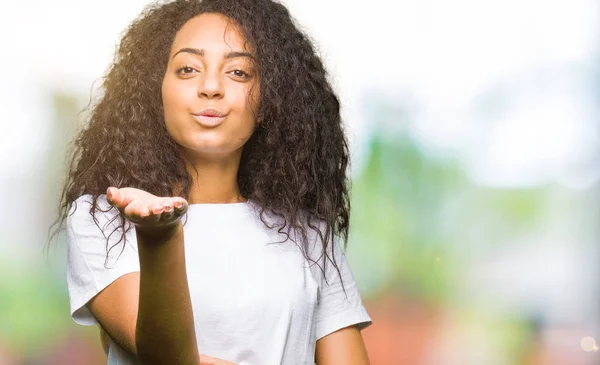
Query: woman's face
<point>206,88</point>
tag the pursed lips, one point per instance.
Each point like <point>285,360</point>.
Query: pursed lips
<point>209,117</point>
<point>210,112</point>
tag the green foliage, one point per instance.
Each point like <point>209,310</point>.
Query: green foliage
<point>33,307</point>
<point>417,219</point>
<point>401,204</point>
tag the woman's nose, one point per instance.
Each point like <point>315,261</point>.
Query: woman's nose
<point>210,86</point>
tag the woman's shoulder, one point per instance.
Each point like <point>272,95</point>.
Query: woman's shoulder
<point>87,200</point>
<point>89,210</point>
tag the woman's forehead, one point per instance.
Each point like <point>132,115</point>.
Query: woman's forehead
<point>211,32</point>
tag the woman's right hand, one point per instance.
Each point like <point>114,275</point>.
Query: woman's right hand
<point>150,214</point>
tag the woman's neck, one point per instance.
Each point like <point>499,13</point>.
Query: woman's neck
<point>214,180</point>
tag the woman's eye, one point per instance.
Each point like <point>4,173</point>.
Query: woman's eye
<point>240,73</point>
<point>185,70</point>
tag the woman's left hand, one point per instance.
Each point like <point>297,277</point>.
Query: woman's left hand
<point>204,360</point>
<point>207,360</point>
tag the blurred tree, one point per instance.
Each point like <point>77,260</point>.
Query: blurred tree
<point>401,221</point>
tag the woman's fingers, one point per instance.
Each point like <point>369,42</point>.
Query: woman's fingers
<point>208,360</point>
<point>137,211</point>
<point>180,206</point>
<point>120,198</point>
<point>113,196</point>
<point>172,209</point>
<point>167,214</point>
<point>160,211</point>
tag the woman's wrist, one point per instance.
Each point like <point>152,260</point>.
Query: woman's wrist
<point>158,235</point>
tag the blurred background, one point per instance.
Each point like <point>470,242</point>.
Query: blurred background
<point>475,130</point>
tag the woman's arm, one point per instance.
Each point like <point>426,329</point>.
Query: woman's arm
<point>149,314</point>
<point>119,295</point>
<point>344,346</point>
<point>164,331</point>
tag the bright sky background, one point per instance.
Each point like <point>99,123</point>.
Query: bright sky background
<point>442,58</point>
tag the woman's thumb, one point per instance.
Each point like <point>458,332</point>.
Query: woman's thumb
<point>113,195</point>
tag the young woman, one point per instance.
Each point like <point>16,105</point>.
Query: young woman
<point>207,196</point>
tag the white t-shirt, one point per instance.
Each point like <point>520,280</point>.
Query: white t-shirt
<point>255,301</point>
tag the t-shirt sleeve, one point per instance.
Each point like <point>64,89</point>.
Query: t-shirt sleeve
<point>95,257</point>
<point>336,309</point>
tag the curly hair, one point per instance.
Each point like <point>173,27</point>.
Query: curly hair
<point>293,166</point>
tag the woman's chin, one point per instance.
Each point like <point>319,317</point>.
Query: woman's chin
<point>216,149</point>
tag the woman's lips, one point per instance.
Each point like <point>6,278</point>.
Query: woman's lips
<point>209,117</point>
<point>208,121</point>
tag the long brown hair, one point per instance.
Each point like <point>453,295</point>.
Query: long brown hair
<point>293,166</point>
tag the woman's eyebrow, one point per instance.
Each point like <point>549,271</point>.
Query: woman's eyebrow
<point>200,52</point>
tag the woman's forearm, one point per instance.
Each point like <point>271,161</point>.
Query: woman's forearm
<point>165,331</point>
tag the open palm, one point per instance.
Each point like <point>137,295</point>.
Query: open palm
<point>149,213</point>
